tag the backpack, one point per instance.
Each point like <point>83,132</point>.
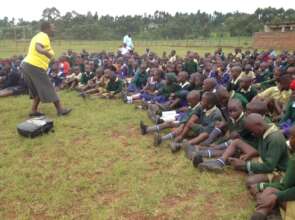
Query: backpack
<point>35,127</point>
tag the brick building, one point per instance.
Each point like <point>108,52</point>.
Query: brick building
<point>276,36</point>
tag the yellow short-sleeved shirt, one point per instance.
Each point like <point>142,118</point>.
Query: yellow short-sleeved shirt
<point>275,93</point>
<point>34,57</point>
<point>251,74</point>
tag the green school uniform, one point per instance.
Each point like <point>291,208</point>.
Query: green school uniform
<point>191,67</point>
<point>190,113</point>
<point>140,79</point>
<point>249,94</point>
<point>286,186</point>
<point>207,120</point>
<point>86,77</point>
<point>272,149</point>
<point>115,86</point>
<point>166,90</point>
<point>240,97</point>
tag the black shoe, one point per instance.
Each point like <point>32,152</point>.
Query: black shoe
<point>143,128</point>
<point>175,147</point>
<point>157,139</point>
<point>197,159</point>
<point>258,216</point>
<point>36,114</point>
<point>190,150</point>
<point>64,112</point>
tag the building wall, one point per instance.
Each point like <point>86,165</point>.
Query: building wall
<point>275,40</point>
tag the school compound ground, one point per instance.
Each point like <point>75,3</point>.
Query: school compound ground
<point>96,165</point>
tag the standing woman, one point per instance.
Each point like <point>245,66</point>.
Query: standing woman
<point>35,67</point>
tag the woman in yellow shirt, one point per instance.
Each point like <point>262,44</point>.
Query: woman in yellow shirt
<point>35,67</point>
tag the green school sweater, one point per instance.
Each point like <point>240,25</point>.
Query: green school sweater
<point>286,186</point>
<point>189,113</point>
<point>115,86</point>
<point>166,90</point>
<point>248,94</point>
<point>208,118</point>
<point>191,67</point>
<point>86,77</point>
<point>238,126</point>
<point>140,79</point>
<point>240,97</point>
<point>272,149</point>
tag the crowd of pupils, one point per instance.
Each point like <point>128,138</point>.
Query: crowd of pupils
<point>236,109</point>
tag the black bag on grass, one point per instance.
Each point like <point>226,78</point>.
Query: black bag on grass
<point>35,126</point>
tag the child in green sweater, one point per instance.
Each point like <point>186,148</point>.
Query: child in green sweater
<point>268,195</point>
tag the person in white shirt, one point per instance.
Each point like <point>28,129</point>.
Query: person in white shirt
<point>124,49</point>
<point>128,41</point>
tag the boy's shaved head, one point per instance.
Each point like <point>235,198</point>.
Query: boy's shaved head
<point>256,124</point>
<point>236,103</point>
<point>257,106</point>
<point>209,84</point>
<point>194,94</point>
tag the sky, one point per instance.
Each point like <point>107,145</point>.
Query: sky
<point>32,9</point>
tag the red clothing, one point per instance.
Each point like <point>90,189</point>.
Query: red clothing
<point>65,66</point>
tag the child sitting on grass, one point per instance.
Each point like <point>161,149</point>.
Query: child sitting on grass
<point>282,193</point>
<point>198,126</point>
<point>193,99</point>
<point>271,150</point>
<point>151,89</point>
<point>114,87</point>
<point>73,79</point>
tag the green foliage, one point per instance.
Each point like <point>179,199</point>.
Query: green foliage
<point>160,25</point>
<point>97,165</point>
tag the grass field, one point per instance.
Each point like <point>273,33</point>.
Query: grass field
<point>9,48</point>
<point>96,165</point>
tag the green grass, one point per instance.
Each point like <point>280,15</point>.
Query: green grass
<point>96,165</point>
<point>10,48</point>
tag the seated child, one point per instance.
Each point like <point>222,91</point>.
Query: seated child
<point>114,87</point>
<point>73,79</point>
<point>193,99</point>
<point>177,99</point>
<point>248,72</point>
<point>190,66</point>
<point>85,76</point>
<point>277,97</point>
<point>264,76</point>
<point>281,193</point>
<point>56,76</point>
<point>93,86</point>
<point>235,73</point>
<point>139,80</point>
<point>196,82</point>
<point>151,88</point>
<point>198,126</point>
<point>210,85</point>
<point>246,89</point>
<point>271,150</point>
<point>170,87</point>
<point>235,127</point>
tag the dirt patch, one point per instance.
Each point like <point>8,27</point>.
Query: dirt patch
<point>109,197</point>
<point>172,201</point>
